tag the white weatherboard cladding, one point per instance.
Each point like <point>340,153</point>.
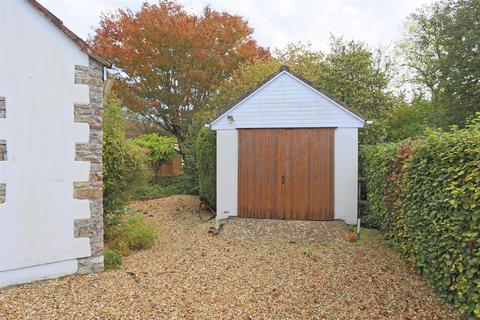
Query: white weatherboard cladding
<point>287,102</point>
<point>37,67</point>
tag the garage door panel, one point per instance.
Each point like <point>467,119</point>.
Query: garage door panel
<point>297,174</point>
<point>322,175</point>
<point>260,185</point>
<point>304,157</point>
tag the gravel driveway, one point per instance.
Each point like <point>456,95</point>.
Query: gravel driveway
<point>190,274</point>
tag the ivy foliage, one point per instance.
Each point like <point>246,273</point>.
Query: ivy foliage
<point>426,195</point>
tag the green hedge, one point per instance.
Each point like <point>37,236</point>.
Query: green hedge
<point>205,153</point>
<point>442,217</point>
<point>426,195</point>
<point>375,162</point>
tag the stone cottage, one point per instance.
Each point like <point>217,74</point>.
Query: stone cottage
<point>52,89</point>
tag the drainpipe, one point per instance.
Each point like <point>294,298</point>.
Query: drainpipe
<point>109,75</point>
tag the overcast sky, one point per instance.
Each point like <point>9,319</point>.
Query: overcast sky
<point>276,22</point>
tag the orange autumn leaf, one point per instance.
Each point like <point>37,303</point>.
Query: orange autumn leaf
<point>173,59</point>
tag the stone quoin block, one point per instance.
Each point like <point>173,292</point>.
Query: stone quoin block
<point>3,107</point>
<point>92,189</point>
<point>2,192</point>
<point>3,148</point>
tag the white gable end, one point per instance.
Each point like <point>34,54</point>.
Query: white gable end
<point>287,102</point>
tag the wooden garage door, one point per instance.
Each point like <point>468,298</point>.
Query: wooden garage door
<point>261,165</point>
<point>286,173</point>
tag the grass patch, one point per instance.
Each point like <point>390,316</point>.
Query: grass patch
<point>131,233</point>
<point>112,259</point>
<point>163,186</point>
<point>365,234</point>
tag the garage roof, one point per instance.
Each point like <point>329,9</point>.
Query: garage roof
<point>263,84</point>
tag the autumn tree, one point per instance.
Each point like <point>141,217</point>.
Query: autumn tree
<point>173,59</point>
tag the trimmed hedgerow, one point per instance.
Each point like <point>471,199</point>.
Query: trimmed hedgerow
<point>375,163</point>
<point>205,152</point>
<point>426,196</point>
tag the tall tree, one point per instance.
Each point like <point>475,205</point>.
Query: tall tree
<point>441,50</point>
<point>351,72</point>
<point>360,77</point>
<point>173,59</point>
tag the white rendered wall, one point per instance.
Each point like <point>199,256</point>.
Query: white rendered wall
<point>37,67</point>
<point>346,174</point>
<point>227,173</point>
<point>41,272</point>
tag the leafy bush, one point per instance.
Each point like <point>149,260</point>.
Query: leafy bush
<point>426,194</point>
<point>112,259</point>
<point>160,149</point>
<point>124,163</point>
<point>205,147</point>
<point>132,233</point>
<point>189,150</point>
<point>189,170</point>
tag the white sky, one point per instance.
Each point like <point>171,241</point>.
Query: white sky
<point>276,22</point>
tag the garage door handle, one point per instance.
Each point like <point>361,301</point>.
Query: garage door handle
<point>283,179</point>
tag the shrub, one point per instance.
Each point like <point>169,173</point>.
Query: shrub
<point>131,233</point>
<point>161,149</point>
<point>125,165</point>
<point>189,150</point>
<point>112,259</point>
<point>427,197</point>
<point>205,149</point>
<point>189,169</point>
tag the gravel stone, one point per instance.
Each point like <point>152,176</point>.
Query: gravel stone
<point>190,274</point>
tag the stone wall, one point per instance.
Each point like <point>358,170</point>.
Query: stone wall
<point>3,148</point>
<point>2,107</point>
<point>92,152</point>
